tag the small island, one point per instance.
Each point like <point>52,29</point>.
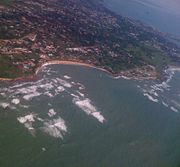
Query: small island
<point>33,33</point>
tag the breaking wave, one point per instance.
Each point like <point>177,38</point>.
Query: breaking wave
<point>55,128</point>
<point>22,95</point>
<point>164,92</point>
<point>88,108</point>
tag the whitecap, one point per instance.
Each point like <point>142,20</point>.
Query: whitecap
<point>67,77</point>
<point>153,92</point>
<point>49,104</point>
<point>51,112</point>
<point>81,86</point>
<point>24,106</point>
<point>27,118</point>
<point>174,109</point>
<point>73,83</point>
<point>4,105</point>
<point>55,127</point>
<point>81,94</point>
<point>98,116</point>
<point>15,101</point>
<point>3,94</point>
<point>40,119</point>
<point>30,89</point>
<point>60,89</point>
<point>151,98</point>
<point>47,86</point>
<point>64,83</point>
<point>88,108</point>
<point>165,104</point>
<point>43,149</point>
<point>32,95</point>
<point>49,94</point>
<point>74,95</point>
<point>27,121</point>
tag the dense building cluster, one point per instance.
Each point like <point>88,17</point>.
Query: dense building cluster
<point>33,32</point>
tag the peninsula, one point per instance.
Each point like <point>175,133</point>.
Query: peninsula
<point>35,32</point>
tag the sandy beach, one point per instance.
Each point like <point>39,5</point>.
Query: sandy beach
<point>70,63</point>
<point>55,62</point>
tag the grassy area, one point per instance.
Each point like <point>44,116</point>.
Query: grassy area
<point>150,55</point>
<point>7,70</point>
<point>5,2</point>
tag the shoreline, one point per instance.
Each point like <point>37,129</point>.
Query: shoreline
<point>61,62</point>
<point>76,63</point>
<point>54,62</point>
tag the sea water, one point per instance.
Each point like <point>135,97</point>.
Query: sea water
<point>82,117</point>
<point>161,14</point>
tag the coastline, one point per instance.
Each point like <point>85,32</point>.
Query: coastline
<point>63,62</point>
<point>53,62</point>
<point>6,79</point>
<point>76,63</point>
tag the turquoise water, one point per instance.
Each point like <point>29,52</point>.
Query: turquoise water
<point>161,14</point>
<point>72,116</point>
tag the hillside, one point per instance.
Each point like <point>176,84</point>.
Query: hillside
<point>36,31</point>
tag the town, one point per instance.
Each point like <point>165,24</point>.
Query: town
<point>33,32</point>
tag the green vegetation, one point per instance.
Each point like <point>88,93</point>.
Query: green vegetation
<point>11,66</point>
<point>85,32</point>
<point>150,55</point>
<point>7,70</point>
<point>5,2</point>
<point>136,56</point>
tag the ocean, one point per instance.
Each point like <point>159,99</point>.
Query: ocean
<point>74,116</point>
<point>161,14</point>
